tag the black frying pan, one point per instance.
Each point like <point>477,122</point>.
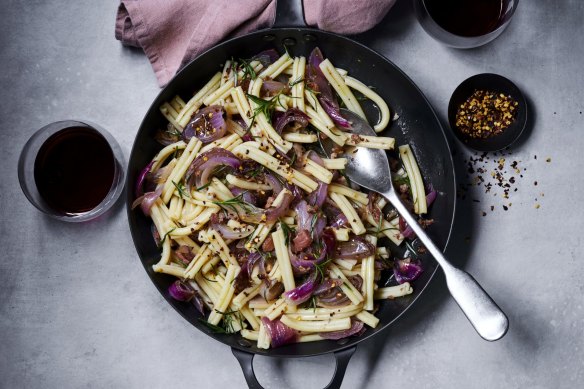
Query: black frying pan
<point>417,125</point>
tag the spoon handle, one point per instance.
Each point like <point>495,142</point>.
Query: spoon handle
<point>480,309</point>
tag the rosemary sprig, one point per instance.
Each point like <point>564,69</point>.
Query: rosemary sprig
<point>165,235</point>
<point>203,186</point>
<point>180,187</point>
<point>235,203</point>
<point>320,268</point>
<point>229,318</point>
<point>313,221</point>
<point>287,230</point>
<point>248,70</point>
<point>295,82</point>
<point>215,329</point>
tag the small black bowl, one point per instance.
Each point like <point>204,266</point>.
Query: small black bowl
<point>495,83</point>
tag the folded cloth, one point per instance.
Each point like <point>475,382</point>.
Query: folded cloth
<point>173,32</point>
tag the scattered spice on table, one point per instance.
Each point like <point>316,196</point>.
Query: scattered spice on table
<point>485,114</point>
<point>496,173</point>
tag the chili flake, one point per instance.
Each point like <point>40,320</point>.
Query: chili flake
<point>485,114</point>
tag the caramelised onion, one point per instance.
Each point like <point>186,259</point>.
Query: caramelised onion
<point>266,57</point>
<point>273,182</point>
<point>207,124</point>
<point>404,228</point>
<point>147,200</point>
<point>329,293</point>
<point>184,253</point>
<point>272,88</point>
<point>167,136</point>
<point>139,189</point>
<point>335,217</point>
<point>201,168</point>
<point>227,232</point>
<point>318,196</point>
<point>180,291</point>
<point>407,269</point>
<point>357,328</point>
<point>292,115</point>
<point>271,289</point>
<point>306,260</point>
<point>303,292</point>
<point>274,213</point>
<point>280,333</point>
<point>247,196</point>
<point>355,248</point>
<point>318,81</point>
<point>253,259</point>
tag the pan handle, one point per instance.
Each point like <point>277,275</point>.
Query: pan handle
<point>289,13</point>
<point>342,358</point>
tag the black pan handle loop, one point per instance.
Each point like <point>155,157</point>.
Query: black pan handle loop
<point>342,359</point>
<point>289,13</point>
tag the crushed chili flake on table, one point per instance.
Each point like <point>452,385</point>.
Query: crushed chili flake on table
<point>485,114</point>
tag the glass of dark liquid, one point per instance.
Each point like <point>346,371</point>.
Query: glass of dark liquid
<point>465,24</point>
<point>72,170</point>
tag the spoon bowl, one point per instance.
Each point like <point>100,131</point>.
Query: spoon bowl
<point>370,169</point>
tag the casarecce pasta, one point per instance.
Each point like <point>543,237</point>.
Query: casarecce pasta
<point>264,232</point>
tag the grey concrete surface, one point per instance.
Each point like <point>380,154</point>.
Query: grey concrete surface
<point>78,311</point>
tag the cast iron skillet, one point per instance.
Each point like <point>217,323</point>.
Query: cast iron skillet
<point>417,125</point>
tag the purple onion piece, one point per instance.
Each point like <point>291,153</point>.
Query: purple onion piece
<point>227,232</point>
<point>207,124</point>
<point>180,291</point>
<point>303,217</point>
<point>274,213</point>
<point>318,196</point>
<point>147,200</point>
<point>202,167</point>
<point>431,197</point>
<point>266,57</point>
<point>273,182</point>
<point>303,292</point>
<point>407,270</point>
<point>332,109</point>
<point>139,189</point>
<point>355,248</point>
<point>356,329</point>
<point>247,196</point>
<point>272,88</point>
<point>280,333</point>
<point>290,116</point>
<point>198,303</point>
<point>252,259</point>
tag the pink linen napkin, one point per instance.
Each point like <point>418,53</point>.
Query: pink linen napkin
<point>173,32</point>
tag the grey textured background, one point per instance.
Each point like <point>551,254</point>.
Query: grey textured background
<point>77,309</point>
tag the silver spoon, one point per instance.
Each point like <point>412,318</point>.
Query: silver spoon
<point>370,169</point>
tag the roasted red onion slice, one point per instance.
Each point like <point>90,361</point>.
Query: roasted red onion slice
<point>207,124</point>
<point>355,248</point>
<point>404,228</point>
<point>247,196</point>
<point>139,189</point>
<point>274,213</point>
<point>180,291</point>
<point>272,88</point>
<point>356,329</point>
<point>303,292</point>
<point>303,217</point>
<point>185,254</point>
<point>227,232</point>
<point>280,333</point>
<point>147,200</point>
<point>406,270</point>
<point>273,182</point>
<point>201,168</point>
<point>266,57</point>
<point>318,81</point>
<point>292,115</point>
<point>335,217</point>
<point>318,196</point>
